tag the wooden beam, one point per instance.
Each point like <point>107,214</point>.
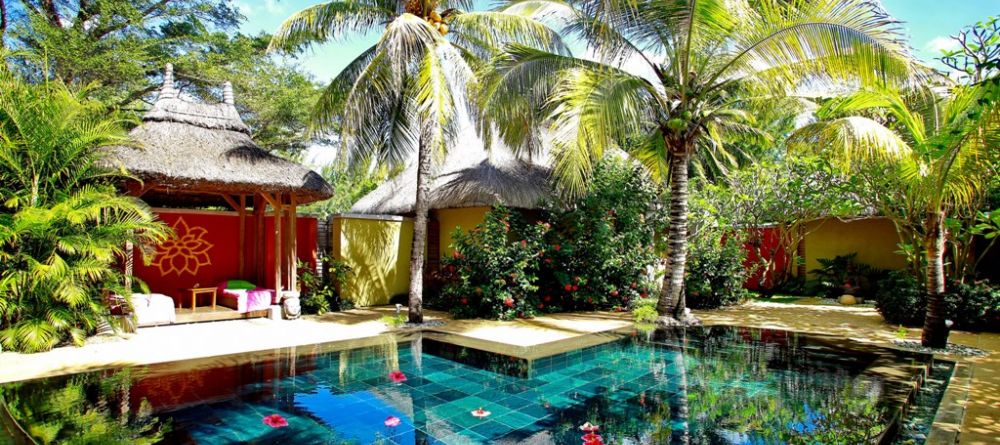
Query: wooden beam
<point>232,203</point>
<point>275,200</point>
<point>243,236</point>
<point>259,257</point>
<point>277,248</point>
<point>292,244</point>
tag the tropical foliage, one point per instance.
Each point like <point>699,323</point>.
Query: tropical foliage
<point>669,80</point>
<point>63,226</point>
<point>596,252</point>
<point>402,96</point>
<point>95,408</point>
<point>928,155</point>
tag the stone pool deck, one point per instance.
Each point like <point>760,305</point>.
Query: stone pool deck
<point>976,390</point>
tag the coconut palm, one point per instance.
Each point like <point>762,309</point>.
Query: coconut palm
<point>665,80</point>
<point>934,153</point>
<point>401,95</point>
<point>63,226</point>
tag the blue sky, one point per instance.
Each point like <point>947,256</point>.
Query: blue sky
<point>927,22</point>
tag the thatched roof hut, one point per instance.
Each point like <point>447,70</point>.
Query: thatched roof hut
<point>192,153</point>
<point>470,176</point>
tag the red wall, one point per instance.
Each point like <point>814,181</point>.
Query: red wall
<point>204,251</point>
<point>763,243</point>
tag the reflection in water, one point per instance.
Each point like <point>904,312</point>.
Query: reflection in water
<point>701,386</point>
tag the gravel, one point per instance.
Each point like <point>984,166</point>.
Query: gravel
<point>952,349</point>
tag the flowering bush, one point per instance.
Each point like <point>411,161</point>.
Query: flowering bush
<point>592,255</point>
<point>493,272</point>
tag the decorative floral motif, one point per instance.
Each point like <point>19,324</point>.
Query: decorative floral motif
<point>481,413</point>
<point>185,252</point>
<point>397,376</point>
<point>392,421</point>
<point>275,421</point>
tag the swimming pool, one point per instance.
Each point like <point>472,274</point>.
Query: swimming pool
<point>725,385</point>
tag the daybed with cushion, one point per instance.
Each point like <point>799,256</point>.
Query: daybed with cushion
<point>148,309</point>
<point>244,296</point>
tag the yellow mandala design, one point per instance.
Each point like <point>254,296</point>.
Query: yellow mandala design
<point>185,252</point>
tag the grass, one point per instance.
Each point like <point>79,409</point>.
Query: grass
<point>784,299</point>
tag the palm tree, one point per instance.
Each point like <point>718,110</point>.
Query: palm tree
<point>666,80</point>
<point>63,226</point>
<point>937,153</point>
<point>401,95</point>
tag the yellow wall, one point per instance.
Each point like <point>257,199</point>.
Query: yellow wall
<point>874,239</point>
<point>465,218</point>
<point>378,251</point>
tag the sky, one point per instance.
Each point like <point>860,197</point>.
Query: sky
<point>927,23</point>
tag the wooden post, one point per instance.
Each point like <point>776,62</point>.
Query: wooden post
<point>277,245</point>
<point>259,205</point>
<point>243,236</point>
<point>293,278</point>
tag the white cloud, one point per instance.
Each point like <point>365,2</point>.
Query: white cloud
<point>244,8</point>
<point>273,7</point>
<point>941,43</point>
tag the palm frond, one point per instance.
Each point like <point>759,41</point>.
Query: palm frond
<point>850,140</point>
<point>326,21</point>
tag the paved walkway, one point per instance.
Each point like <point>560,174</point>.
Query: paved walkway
<point>171,343</point>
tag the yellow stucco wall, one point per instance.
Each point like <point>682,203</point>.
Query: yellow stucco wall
<point>874,239</point>
<point>378,251</point>
<point>449,219</point>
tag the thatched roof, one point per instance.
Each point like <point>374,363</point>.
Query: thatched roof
<point>186,149</point>
<point>469,177</point>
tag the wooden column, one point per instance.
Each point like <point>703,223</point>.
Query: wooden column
<point>243,236</point>
<point>259,257</point>
<point>293,276</point>
<point>277,244</point>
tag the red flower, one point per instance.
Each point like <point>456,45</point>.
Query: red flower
<point>569,288</point>
<point>590,300</point>
<point>480,413</point>
<point>524,243</point>
<point>509,302</point>
<point>464,300</point>
<point>548,261</point>
<point>614,293</point>
<point>397,376</point>
<point>456,254</point>
<point>557,247</point>
<point>392,421</point>
<point>275,421</point>
<point>547,298</point>
<point>634,286</point>
<point>576,288</point>
<point>541,305</point>
<point>642,295</point>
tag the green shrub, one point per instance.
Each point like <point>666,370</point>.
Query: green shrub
<point>843,274</point>
<point>590,254</point>
<point>319,293</point>
<point>901,299</point>
<point>493,272</point>
<point>716,272</point>
<point>974,306</point>
<point>645,314</point>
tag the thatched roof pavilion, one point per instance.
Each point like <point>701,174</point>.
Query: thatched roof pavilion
<point>191,154</point>
<point>470,176</point>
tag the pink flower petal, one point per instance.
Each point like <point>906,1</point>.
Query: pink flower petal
<point>275,421</point>
<point>397,376</point>
<point>392,421</point>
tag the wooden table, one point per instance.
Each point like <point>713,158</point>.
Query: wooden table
<point>195,291</point>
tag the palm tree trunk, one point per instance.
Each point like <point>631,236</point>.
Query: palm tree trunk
<point>935,334</point>
<point>417,253</point>
<point>671,302</point>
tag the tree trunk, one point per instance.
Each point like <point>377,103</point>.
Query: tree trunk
<point>417,253</point>
<point>671,302</point>
<point>935,334</point>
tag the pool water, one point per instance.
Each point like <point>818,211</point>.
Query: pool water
<point>717,385</point>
